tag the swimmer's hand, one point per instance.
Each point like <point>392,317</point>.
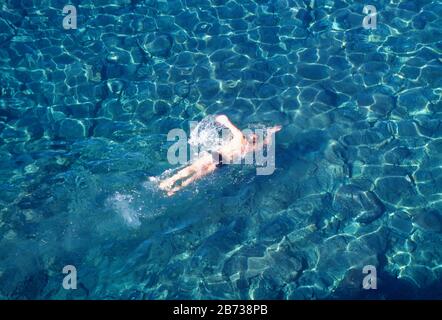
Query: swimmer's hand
<point>274,129</point>
<point>270,132</point>
<point>222,119</point>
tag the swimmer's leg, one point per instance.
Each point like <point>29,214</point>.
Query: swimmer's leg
<point>168,183</point>
<point>197,175</point>
<point>184,184</point>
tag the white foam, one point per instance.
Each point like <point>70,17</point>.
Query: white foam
<point>122,204</point>
<point>209,135</point>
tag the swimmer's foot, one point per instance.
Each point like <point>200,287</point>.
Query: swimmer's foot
<point>165,185</point>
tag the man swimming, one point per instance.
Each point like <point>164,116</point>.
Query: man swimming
<point>236,148</point>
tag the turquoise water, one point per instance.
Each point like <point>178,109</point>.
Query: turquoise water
<point>84,116</point>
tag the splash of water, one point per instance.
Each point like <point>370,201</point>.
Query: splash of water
<point>209,135</point>
<point>122,204</point>
<point>137,206</point>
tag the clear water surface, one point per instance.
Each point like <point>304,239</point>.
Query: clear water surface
<point>84,116</point>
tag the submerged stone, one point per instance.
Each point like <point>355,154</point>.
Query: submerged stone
<point>413,100</point>
<point>363,205</point>
<point>159,45</point>
<point>313,71</point>
<point>429,219</point>
<point>72,129</point>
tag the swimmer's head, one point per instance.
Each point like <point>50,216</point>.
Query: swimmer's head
<point>253,139</point>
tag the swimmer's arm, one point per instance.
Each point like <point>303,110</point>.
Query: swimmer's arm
<point>270,132</point>
<point>222,119</point>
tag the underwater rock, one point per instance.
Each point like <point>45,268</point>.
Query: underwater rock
<point>72,129</point>
<point>6,31</point>
<point>363,205</point>
<point>269,34</point>
<point>231,10</point>
<point>119,56</point>
<point>429,219</point>
<point>421,276</point>
<point>266,91</point>
<point>432,74</point>
<point>145,110</point>
<point>265,287</point>
<point>276,228</point>
<point>400,223</point>
<point>115,86</point>
<point>31,287</point>
<point>397,190</point>
<point>158,45</point>
<point>413,99</point>
<point>182,88</point>
<point>313,71</point>
<point>184,59</point>
<point>208,88</point>
<point>351,284</point>
<point>161,108</point>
